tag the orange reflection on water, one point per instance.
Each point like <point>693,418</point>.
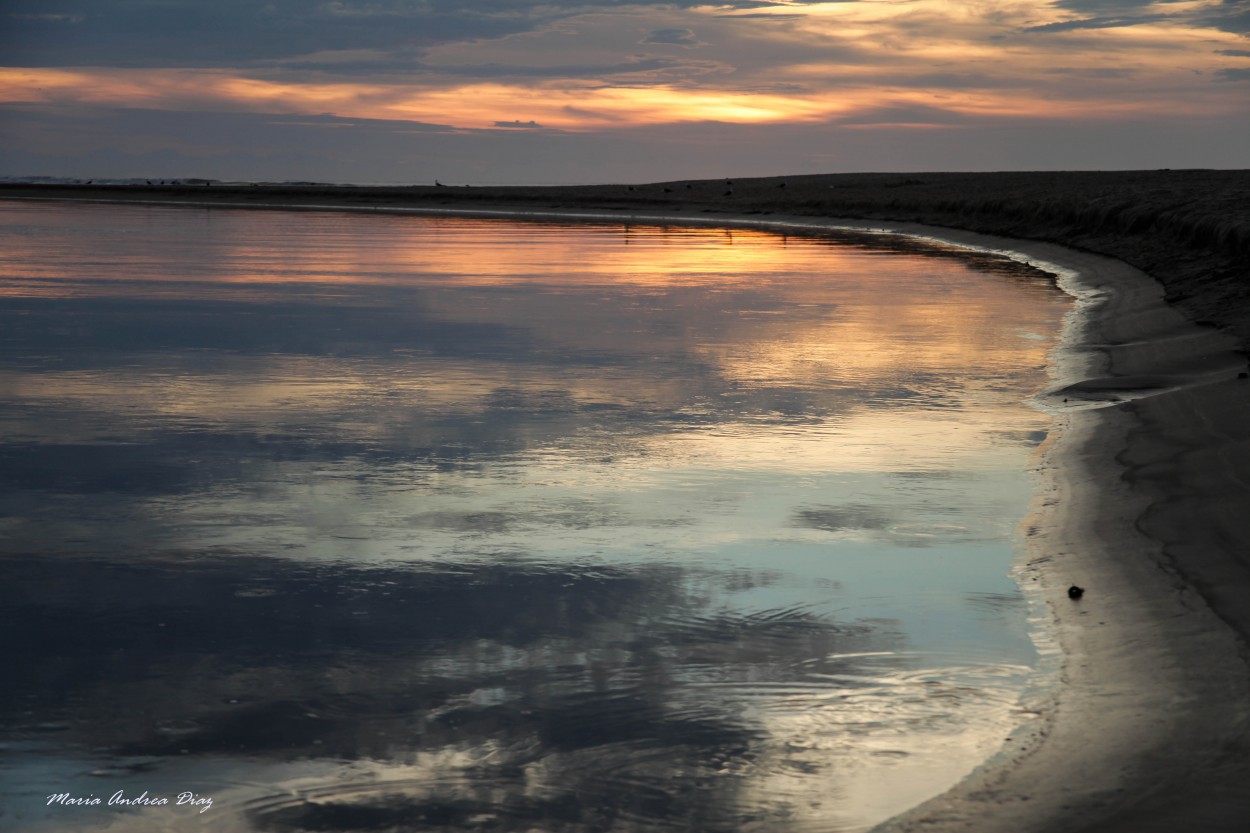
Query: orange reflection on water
<point>758,314</point>
<point>788,427</point>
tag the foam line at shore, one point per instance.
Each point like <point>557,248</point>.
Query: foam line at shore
<point>1147,727</point>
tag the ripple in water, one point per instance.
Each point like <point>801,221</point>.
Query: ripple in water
<point>377,524</point>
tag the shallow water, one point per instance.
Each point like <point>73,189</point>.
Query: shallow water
<point>350,522</point>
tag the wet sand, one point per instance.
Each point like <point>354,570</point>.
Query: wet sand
<point>1144,492</point>
<point>1148,727</point>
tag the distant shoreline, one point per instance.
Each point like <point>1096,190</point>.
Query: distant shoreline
<point>1146,491</point>
<point>1190,230</point>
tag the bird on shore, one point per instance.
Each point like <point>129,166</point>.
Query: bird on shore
<point>1075,592</point>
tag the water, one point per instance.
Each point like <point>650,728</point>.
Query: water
<point>348,522</point>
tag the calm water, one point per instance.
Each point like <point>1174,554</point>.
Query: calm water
<point>372,523</point>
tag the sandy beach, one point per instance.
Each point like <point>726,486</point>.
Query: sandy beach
<point>1142,492</point>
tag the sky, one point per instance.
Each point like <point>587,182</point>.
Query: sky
<point>519,91</point>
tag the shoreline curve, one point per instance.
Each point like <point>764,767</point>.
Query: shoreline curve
<point>1142,500</point>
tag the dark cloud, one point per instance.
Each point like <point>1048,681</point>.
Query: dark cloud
<point>406,67</point>
<point>191,33</point>
<point>1112,6</point>
<point>1088,72</point>
<point>905,115</point>
<point>1097,23</point>
<point>961,81</point>
<point>1233,16</point>
<point>231,32</point>
<point>1229,16</point>
<point>86,142</point>
<point>633,66</point>
<point>1234,53</point>
<point>1233,74</point>
<point>519,125</point>
<point>672,37</point>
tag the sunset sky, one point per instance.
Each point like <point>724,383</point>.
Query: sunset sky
<point>516,91</point>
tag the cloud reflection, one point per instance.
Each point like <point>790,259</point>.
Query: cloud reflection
<point>377,540</point>
<point>600,675</point>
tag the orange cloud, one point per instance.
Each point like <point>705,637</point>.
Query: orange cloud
<point>783,64</point>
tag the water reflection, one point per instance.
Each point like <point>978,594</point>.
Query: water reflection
<point>510,672</point>
<point>371,523</point>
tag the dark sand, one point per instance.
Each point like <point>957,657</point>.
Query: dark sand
<point>1145,493</point>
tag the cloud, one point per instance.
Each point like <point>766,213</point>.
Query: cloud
<point>1096,23</point>
<point>1233,74</point>
<point>672,37</point>
<point>519,125</point>
<point>864,66</point>
<point>56,18</point>
<point>192,33</point>
<point>188,33</point>
<point>99,142</point>
<point>636,65</point>
<point>1221,15</point>
<point>1108,5</point>
<point>1233,16</point>
<point>916,116</point>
